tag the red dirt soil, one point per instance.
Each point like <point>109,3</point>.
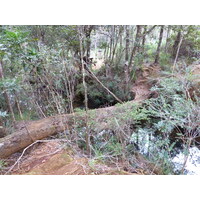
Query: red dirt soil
<point>50,158</point>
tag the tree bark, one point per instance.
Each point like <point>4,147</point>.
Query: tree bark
<point>111,42</point>
<point>159,45</point>
<point>144,38</point>
<point>6,96</point>
<point>87,30</point>
<point>110,50</point>
<point>43,128</point>
<point>126,65</point>
<point>117,36</point>
<point>177,53</point>
<point>85,91</point>
<point>18,106</point>
<point>127,43</point>
<point>136,44</point>
<point>29,134</point>
<point>167,38</point>
<point>176,44</point>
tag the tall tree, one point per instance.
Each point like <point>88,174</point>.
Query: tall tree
<point>127,43</point>
<point>178,49</point>
<point>176,43</point>
<point>5,93</point>
<point>117,35</point>
<point>159,45</point>
<point>136,44</point>
<point>144,37</point>
<point>87,30</point>
<point>167,37</point>
<point>144,34</point>
<point>126,66</point>
<point>87,136</point>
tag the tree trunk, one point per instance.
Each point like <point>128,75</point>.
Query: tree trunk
<point>177,53</point>
<point>48,126</point>
<point>115,45</point>
<point>111,41</point>
<point>136,44</point>
<point>144,34</point>
<point>159,45</point>
<point>87,30</point>
<point>18,106</point>
<point>126,66</point>
<point>86,97</point>
<point>176,43</point>
<point>127,43</point>
<point>144,38</point>
<point>167,38</point>
<point>29,134</point>
<point>6,96</point>
<point>108,66</point>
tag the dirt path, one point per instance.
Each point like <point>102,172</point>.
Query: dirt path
<point>143,84</point>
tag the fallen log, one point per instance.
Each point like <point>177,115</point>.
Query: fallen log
<point>36,130</point>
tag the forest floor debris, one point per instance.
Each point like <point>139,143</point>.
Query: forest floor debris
<point>51,158</point>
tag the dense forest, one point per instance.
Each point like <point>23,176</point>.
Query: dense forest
<point>100,99</point>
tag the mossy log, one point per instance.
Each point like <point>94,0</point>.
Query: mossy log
<point>36,130</point>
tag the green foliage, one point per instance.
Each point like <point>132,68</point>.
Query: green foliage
<point>27,115</point>
<point>150,50</point>
<point>165,59</point>
<point>41,67</point>
<point>103,149</point>
<point>156,149</point>
<point>72,38</point>
<point>12,42</point>
<point>103,45</point>
<point>132,112</point>
<point>3,114</point>
<point>98,96</point>
<point>78,110</point>
<point>172,112</point>
<point>139,59</point>
<point>10,84</point>
<point>173,108</point>
<point>113,147</point>
<point>3,164</point>
<point>190,45</point>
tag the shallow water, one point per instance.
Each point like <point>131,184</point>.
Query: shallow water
<point>148,143</point>
<point>193,163</point>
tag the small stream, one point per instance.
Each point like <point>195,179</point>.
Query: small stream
<point>149,144</point>
<point>155,147</point>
